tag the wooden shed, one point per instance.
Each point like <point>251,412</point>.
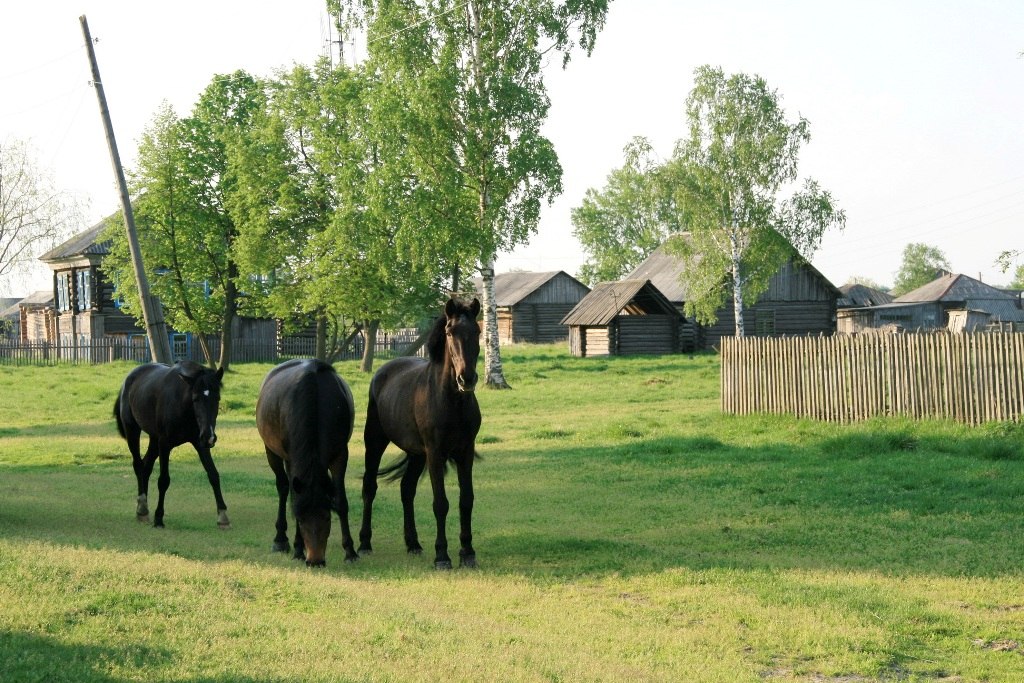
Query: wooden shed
<point>531,306</point>
<point>623,318</point>
<point>799,301</point>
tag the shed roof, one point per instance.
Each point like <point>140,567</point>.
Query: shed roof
<point>857,295</point>
<point>608,299</point>
<point>84,243</point>
<point>511,288</point>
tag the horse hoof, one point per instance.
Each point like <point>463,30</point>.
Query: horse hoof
<point>468,562</point>
<point>279,547</point>
<point>443,565</point>
<point>416,551</point>
<point>158,525</point>
<point>365,550</point>
<point>224,525</point>
<point>222,519</point>
<point>351,558</point>
<point>316,565</point>
<point>142,519</point>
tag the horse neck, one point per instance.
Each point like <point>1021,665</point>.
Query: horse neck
<point>444,377</point>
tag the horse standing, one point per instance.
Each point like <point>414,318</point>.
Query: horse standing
<point>428,409</point>
<point>173,405</point>
<point>304,415</point>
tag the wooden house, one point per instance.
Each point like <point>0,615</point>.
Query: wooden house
<point>856,295</point>
<point>623,318</point>
<point>799,301</point>
<point>36,317</point>
<point>929,307</point>
<point>83,298</point>
<point>531,306</point>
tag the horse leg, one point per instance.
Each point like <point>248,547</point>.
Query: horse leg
<point>375,441</point>
<point>211,473</point>
<point>338,468</point>
<point>141,503</point>
<point>143,472</point>
<point>281,539</point>
<point>467,556</point>
<point>414,468</point>
<point>162,483</point>
<point>435,466</point>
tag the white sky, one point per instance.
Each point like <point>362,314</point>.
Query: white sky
<point>916,108</point>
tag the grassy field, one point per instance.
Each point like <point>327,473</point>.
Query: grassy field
<point>625,529</point>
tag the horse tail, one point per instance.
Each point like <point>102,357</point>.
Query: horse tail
<point>307,444</point>
<point>395,470</point>
<point>117,416</point>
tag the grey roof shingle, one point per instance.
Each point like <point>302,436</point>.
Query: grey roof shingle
<point>952,288</point>
<point>858,295</point>
<point>84,243</point>
<point>511,288</point>
<point>607,299</point>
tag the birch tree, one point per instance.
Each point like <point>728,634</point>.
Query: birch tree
<point>34,214</point>
<point>727,177</point>
<point>471,71</point>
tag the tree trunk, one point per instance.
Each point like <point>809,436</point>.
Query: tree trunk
<point>737,284</point>
<point>320,349</point>
<point>417,344</point>
<point>230,311</point>
<point>370,339</point>
<point>493,373</point>
<point>204,345</point>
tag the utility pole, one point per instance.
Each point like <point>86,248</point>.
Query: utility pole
<point>152,311</point>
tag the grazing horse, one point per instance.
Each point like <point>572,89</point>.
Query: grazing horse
<point>304,415</point>
<point>173,405</point>
<point>426,407</point>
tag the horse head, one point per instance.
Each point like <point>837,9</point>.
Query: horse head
<point>204,387</point>
<point>311,503</point>
<point>462,341</point>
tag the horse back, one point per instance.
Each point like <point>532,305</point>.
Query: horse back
<point>305,412</point>
<point>157,401</point>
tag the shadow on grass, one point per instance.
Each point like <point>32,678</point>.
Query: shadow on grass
<point>880,500</point>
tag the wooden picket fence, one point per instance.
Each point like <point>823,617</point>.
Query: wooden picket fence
<point>970,377</point>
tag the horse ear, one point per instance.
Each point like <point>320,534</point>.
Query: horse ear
<point>220,374</point>
<point>474,307</point>
<point>450,308</point>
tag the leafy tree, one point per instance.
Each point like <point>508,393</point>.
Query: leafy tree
<point>921,264</point>
<point>470,71</point>
<point>622,224</point>
<point>726,177</point>
<point>34,214</point>
<point>185,186</point>
<point>1018,277</point>
<point>868,282</point>
<point>337,205</point>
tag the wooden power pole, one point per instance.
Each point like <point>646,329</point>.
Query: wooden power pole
<point>152,311</point>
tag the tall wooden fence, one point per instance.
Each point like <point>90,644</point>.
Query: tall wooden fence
<point>970,378</point>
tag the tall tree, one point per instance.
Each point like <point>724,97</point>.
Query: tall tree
<point>185,186</point>
<point>1018,277</point>
<point>471,73</point>
<point>34,214</point>
<point>727,176</point>
<point>921,264</point>
<point>622,224</point>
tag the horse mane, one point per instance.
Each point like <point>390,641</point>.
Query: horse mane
<point>435,341</point>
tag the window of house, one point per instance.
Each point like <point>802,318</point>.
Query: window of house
<point>84,282</point>
<point>63,292</point>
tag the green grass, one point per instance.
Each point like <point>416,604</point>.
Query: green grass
<point>626,530</point>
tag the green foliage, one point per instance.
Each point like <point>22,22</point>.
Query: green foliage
<point>619,517</point>
<point>1018,277</point>
<point>741,152</point>
<point>921,264</point>
<point>622,224</point>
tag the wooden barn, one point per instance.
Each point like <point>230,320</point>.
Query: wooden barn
<point>624,318</point>
<point>799,301</point>
<point>531,306</point>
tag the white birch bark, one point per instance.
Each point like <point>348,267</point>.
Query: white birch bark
<point>493,373</point>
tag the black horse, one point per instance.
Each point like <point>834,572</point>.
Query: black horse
<point>304,415</point>
<point>428,409</point>
<point>173,405</point>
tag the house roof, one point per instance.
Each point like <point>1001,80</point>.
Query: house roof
<point>9,307</point>
<point>511,288</point>
<point>951,288</point>
<point>663,270</point>
<point>83,244</point>
<point>858,295</point>
<point>608,299</point>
